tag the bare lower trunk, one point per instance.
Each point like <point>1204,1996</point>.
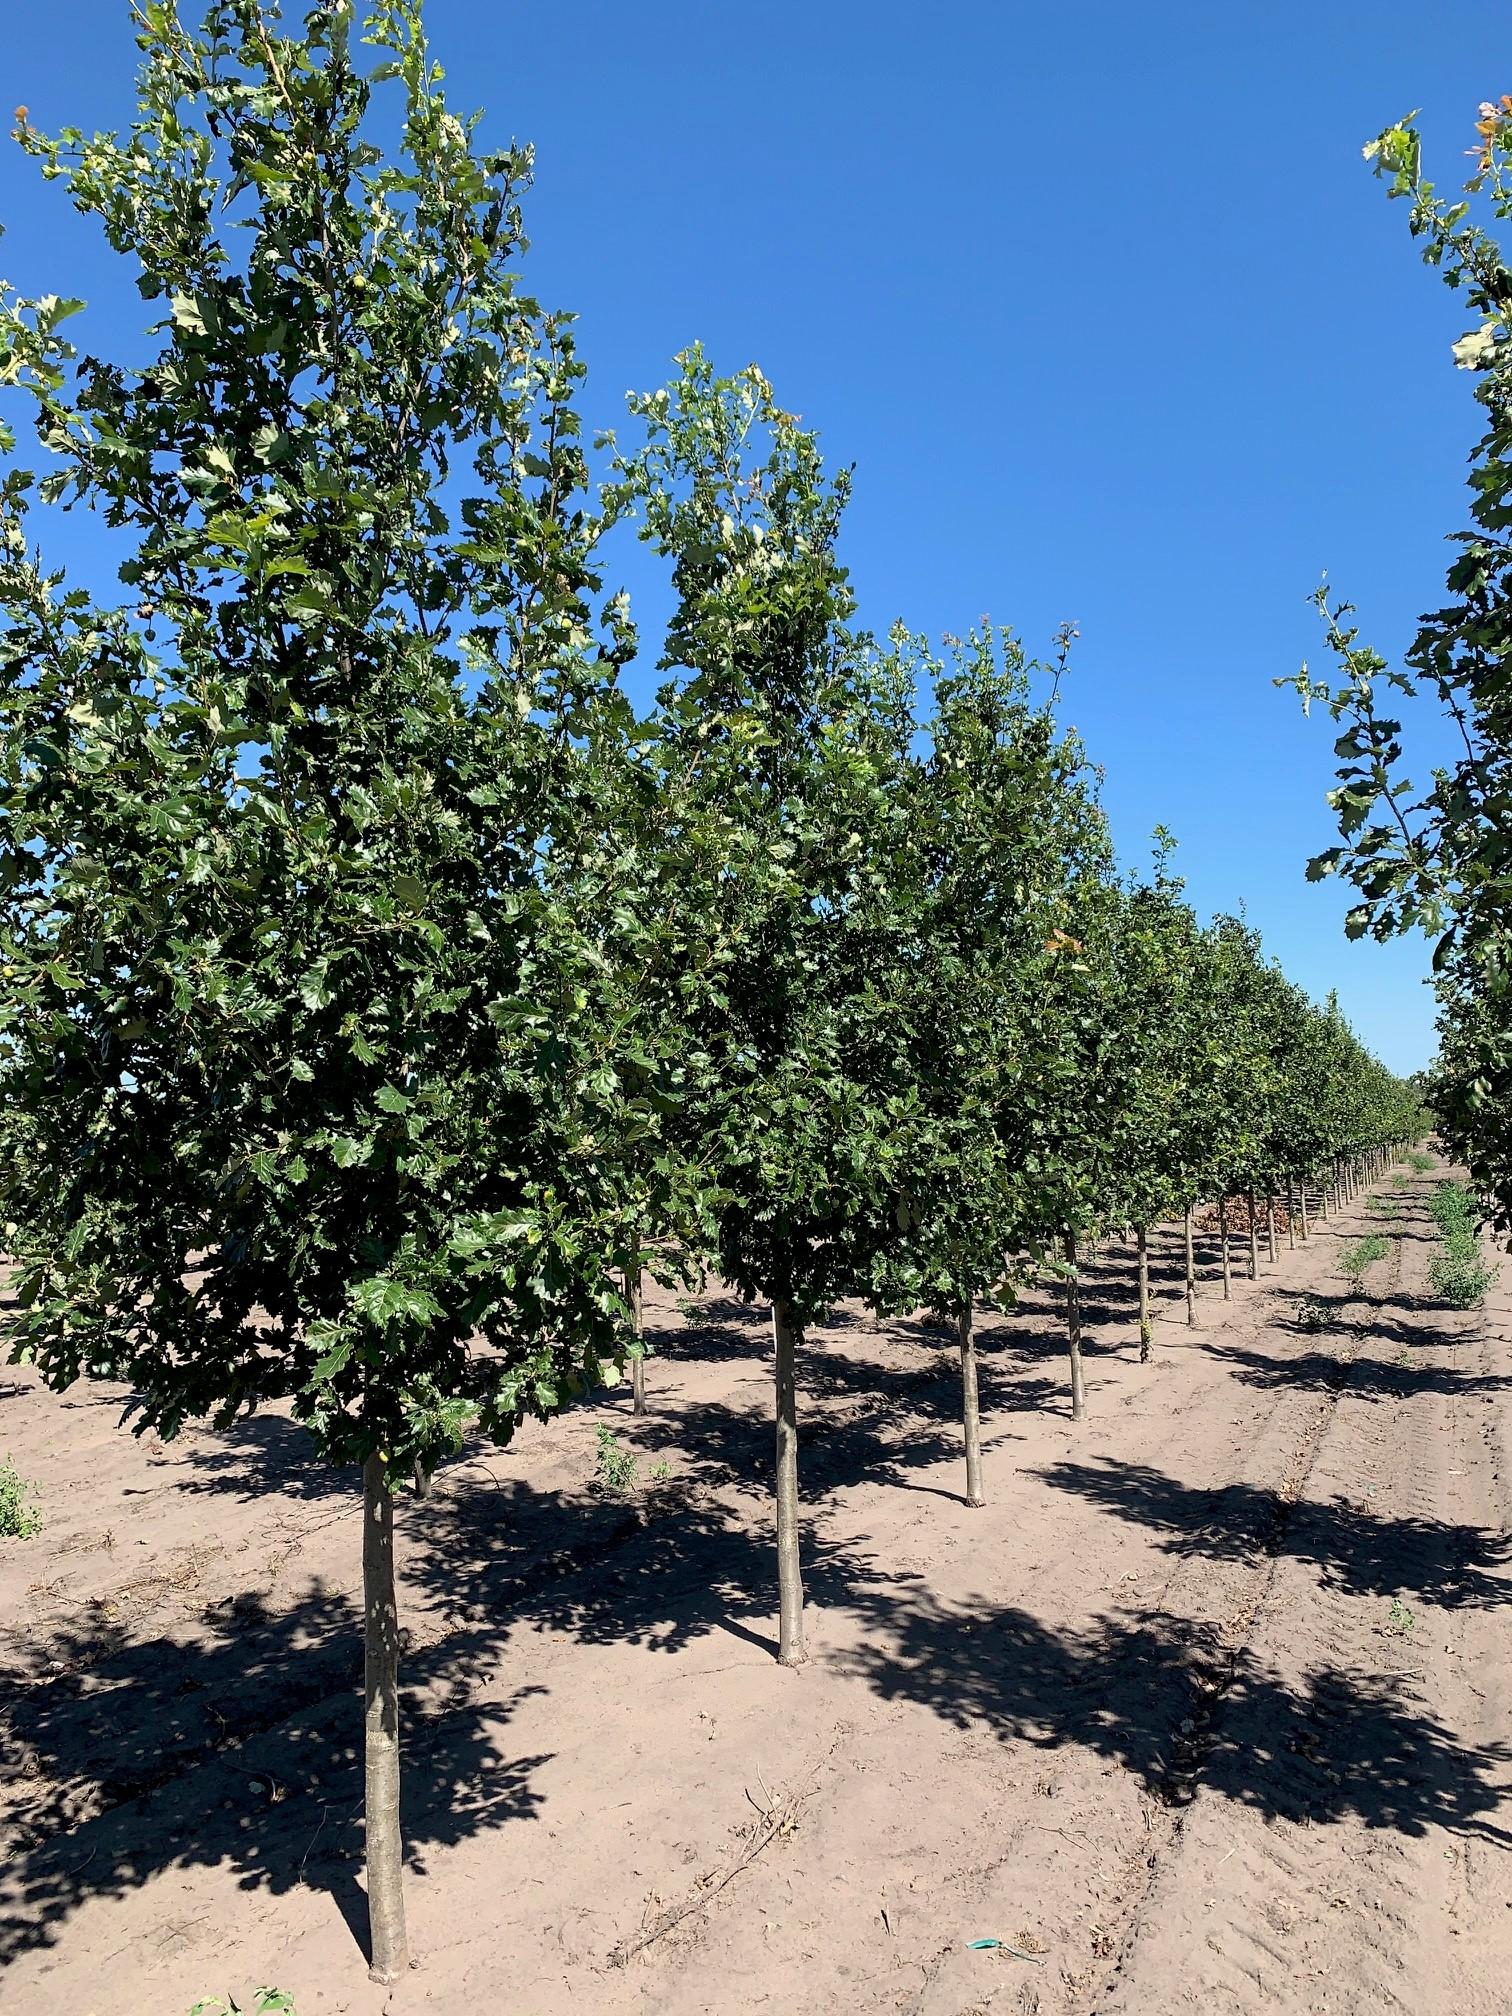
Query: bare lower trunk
<point>970,1411</point>
<point>1323,1198</point>
<point>1270,1225</point>
<point>1146,1331</point>
<point>791,1650</point>
<point>1254,1236</point>
<point>638,1362</point>
<point>1191,1274</point>
<point>1228,1279</point>
<point>425,1479</point>
<point>1073,1331</point>
<point>385,1847</point>
<point>1302,1198</point>
<point>1291,1212</point>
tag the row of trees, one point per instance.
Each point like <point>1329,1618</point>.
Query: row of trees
<point>382,993</point>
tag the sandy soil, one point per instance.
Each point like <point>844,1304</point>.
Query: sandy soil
<point>1208,1709</point>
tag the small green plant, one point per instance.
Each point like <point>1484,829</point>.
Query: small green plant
<point>18,1520</point>
<point>1364,1253</point>
<point>266,2002</point>
<point>659,1472</point>
<point>1400,1619</point>
<point>1384,1207</point>
<point>1452,1206</point>
<point>1399,1181</point>
<point>1312,1315</point>
<point>1459,1276</point>
<point>1420,1162</point>
<point>615,1470</point>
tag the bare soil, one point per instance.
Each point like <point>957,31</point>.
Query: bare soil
<point>1207,1709</point>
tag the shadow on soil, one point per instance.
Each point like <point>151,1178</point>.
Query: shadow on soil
<point>236,1745</point>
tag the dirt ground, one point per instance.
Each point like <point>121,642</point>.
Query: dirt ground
<point>1207,1710</point>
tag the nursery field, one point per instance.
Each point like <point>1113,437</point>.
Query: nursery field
<point>1207,1709</point>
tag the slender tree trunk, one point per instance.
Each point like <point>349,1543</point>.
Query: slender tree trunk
<point>791,1650</point>
<point>385,1847</point>
<point>1302,1198</point>
<point>970,1411</point>
<point>1323,1197</point>
<point>1146,1330</point>
<point>638,1319</point>
<point>1074,1331</point>
<point>1254,1236</point>
<point>1270,1223</point>
<point>425,1479</point>
<point>1228,1283</point>
<point>1191,1274</point>
<point>1291,1212</point>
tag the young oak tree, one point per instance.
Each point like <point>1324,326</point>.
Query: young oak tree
<point>785,739</point>
<point>312,1088</point>
<point>1000,816</point>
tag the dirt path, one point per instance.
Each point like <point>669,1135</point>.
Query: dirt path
<point>1151,1716</point>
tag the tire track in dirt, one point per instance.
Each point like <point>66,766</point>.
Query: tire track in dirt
<point>1317,1867</point>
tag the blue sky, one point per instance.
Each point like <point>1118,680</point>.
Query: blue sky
<point>1101,301</point>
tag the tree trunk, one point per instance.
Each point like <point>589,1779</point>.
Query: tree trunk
<point>1254,1236</point>
<point>1146,1330</point>
<point>1323,1197</point>
<point>425,1479</point>
<point>1228,1280</point>
<point>1291,1212</point>
<point>1302,1197</point>
<point>385,1847</point>
<point>791,1650</point>
<point>638,1362</point>
<point>1073,1331</point>
<point>1191,1274</point>
<point>1270,1223</point>
<point>970,1411</point>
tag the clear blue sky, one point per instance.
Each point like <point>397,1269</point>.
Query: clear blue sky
<point>1101,301</point>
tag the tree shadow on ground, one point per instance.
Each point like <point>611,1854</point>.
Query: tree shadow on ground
<point>274,1795</point>
<point>243,1751</point>
<point>1356,1550</point>
<point>1319,1370</point>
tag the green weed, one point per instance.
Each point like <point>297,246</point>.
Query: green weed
<point>1459,1276</point>
<point>267,2002</point>
<point>1312,1314</point>
<point>18,1520</point>
<point>1400,1619</point>
<point>615,1471</point>
<point>1421,1162</point>
<point>1364,1253</point>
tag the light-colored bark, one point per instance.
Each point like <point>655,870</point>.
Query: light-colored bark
<point>638,1362</point>
<point>970,1410</point>
<point>1270,1225</point>
<point>384,1841</point>
<point>1223,1240</point>
<point>1146,1329</point>
<point>1074,1331</point>
<point>791,1650</point>
<point>1254,1236</point>
<point>1191,1274</point>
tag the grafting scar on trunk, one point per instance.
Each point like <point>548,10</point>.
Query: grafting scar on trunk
<point>970,1411</point>
<point>791,1650</point>
<point>385,1847</point>
<point>1073,1330</point>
